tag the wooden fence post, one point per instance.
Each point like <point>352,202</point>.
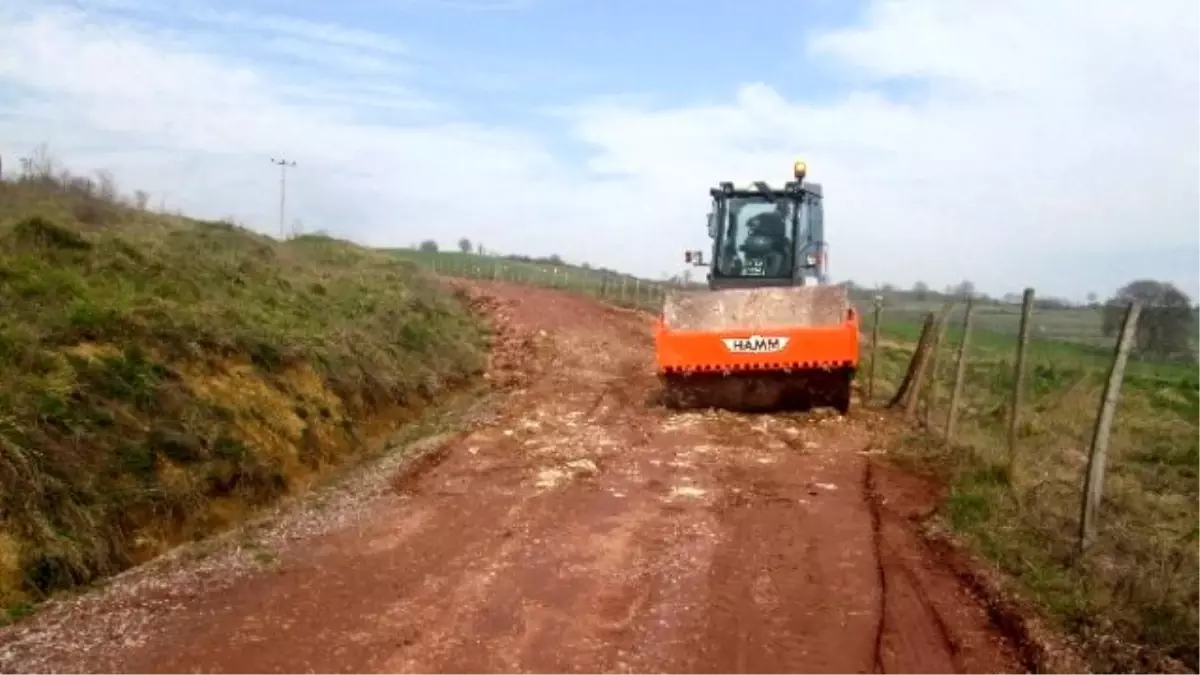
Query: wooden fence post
<point>914,364</point>
<point>1014,418</point>
<point>943,321</point>
<point>1093,485</point>
<point>874,347</point>
<point>960,371</point>
<point>918,381</point>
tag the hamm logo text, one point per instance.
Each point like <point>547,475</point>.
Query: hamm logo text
<point>756,344</point>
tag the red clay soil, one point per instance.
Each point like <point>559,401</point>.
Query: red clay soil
<point>583,528</point>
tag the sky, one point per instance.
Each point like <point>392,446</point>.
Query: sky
<point>1012,143</point>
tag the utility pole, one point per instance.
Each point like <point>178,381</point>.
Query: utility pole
<point>283,167</point>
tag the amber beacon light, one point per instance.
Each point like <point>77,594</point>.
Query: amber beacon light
<point>799,170</point>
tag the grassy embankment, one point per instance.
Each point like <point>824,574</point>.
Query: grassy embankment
<point>163,376</point>
<point>1134,596</point>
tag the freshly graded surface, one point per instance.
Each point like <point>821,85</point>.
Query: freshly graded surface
<point>581,527</point>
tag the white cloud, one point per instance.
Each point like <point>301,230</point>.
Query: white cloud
<point>211,118</point>
<point>1048,134</point>
<point>1048,130</point>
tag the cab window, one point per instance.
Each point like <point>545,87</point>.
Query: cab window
<point>758,238</point>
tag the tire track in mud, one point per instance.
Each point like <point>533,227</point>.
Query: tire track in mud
<point>877,543</point>
<point>931,621</point>
<point>585,528</point>
<point>902,588</point>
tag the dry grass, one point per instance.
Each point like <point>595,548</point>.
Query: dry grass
<point>165,376</point>
<point>1133,599</point>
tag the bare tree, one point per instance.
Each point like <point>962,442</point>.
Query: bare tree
<point>107,185</point>
<point>42,163</point>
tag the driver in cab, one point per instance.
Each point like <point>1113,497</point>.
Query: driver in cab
<point>766,248</point>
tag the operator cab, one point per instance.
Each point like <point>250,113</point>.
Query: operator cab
<point>764,236</point>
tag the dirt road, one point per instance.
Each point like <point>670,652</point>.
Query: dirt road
<point>583,528</point>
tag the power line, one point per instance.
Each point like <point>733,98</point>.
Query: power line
<point>283,167</point>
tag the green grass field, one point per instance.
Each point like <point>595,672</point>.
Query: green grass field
<point>1138,586</point>
<point>1080,325</point>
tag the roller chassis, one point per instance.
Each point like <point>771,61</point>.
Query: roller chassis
<point>760,391</point>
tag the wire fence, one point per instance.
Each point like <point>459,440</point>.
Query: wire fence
<point>619,289</point>
<point>1073,452</point>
